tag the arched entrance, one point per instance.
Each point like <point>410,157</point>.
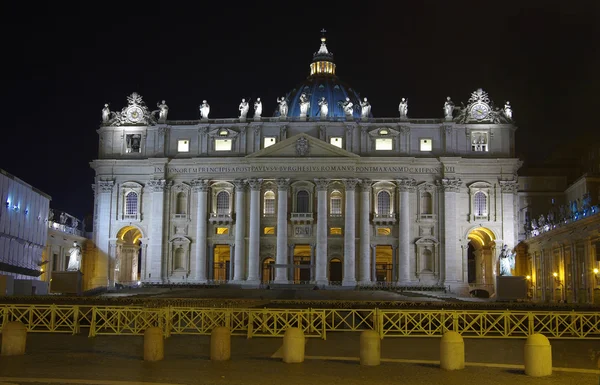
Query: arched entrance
<point>384,263</point>
<point>127,266</point>
<point>268,273</point>
<point>335,270</point>
<point>480,261</point>
<point>302,265</point>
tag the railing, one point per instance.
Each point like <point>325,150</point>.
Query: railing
<point>134,320</point>
<point>308,118</point>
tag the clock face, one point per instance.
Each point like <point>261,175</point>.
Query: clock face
<point>480,111</point>
<point>135,114</point>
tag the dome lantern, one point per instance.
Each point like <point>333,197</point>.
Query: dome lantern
<point>322,60</point>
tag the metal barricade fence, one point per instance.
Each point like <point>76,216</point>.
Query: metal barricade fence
<point>134,320</point>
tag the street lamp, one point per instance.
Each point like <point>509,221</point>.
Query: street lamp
<point>556,279</point>
<point>596,276</point>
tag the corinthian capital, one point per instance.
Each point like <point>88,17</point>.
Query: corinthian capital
<point>406,184</point>
<point>508,186</point>
<point>350,183</point>
<point>254,183</point>
<point>450,185</point>
<point>283,184</point>
<point>199,185</point>
<point>365,184</point>
<point>157,185</point>
<point>105,186</point>
<point>240,184</point>
<point>322,183</point>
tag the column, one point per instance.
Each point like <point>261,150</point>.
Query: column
<point>211,262</point>
<point>350,234</point>
<point>374,262</point>
<point>365,233</point>
<point>239,268</point>
<point>254,242</point>
<point>232,265</point>
<point>451,260</point>
<point>155,232</point>
<point>509,189</point>
<point>313,247</point>
<point>283,185</point>
<point>321,260</point>
<point>103,195</point>
<point>200,186</point>
<point>404,238</point>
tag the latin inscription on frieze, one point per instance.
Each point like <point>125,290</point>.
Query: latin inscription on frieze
<point>300,168</point>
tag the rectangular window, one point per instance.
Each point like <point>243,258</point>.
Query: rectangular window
<point>222,230</point>
<point>269,231</point>
<point>269,141</point>
<point>479,141</point>
<point>425,145</point>
<point>336,141</point>
<point>335,231</point>
<point>336,206</point>
<point>133,142</point>
<point>183,145</point>
<point>222,144</point>
<point>384,144</point>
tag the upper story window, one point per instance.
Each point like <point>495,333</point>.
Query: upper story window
<point>425,145</point>
<point>269,141</point>
<point>336,141</point>
<point>336,203</point>
<point>181,203</point>
<point>133,143</point>
<point>426,203</point>
<point>223,203</point>
<point>480,204</point>
<point>479,141</point>
<point>269,203</point>
<point>183,145</point>
<point>223,144</point>
<point>131,204</point>
<point>383,203</point>
<point>384,144</point>
<point>302,202</point>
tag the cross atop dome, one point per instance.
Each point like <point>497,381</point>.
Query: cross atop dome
<point>323,59</point>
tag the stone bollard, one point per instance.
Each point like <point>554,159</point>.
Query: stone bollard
<point>154,345</point>
<point>220,344</point>
<point>538,356</point>
<point>452,351</point>
<point>293,346</point>
<point>370,348</point>
<point>14,337</point>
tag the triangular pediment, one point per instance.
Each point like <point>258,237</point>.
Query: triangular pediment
<point>302,146</point>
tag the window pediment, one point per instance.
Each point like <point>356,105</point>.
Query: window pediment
<point>480,185</point>
<point>383,132</point>
<point>427,241</point>
<point>223,133</point>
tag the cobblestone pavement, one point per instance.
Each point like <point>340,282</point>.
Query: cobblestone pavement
<point>117,360</point>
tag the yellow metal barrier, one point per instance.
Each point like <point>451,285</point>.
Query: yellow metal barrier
<point>121,320</point>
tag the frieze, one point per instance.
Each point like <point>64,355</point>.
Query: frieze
<point>407,184</point>
<point>200,185</point>
<point>449,185</point>
<point>245,169</point>
<point>508,186</point>
<point>105,186</point>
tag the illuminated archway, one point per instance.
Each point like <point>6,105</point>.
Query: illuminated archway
<point>127,264</point>
<point>480,261</point>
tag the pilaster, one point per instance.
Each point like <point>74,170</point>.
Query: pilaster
<point>239,269</point>
<point>405,186</point>
<point>365,232</point>
<point>450,271</point>
<point>321,260</point>
<point>103,193</point>
<point>200,187</point>
<point>283,185</point>
<point>350,233</point>
<point>254,242</point>
<point>155,269</point>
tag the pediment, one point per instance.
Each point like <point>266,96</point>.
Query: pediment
<point>302,146</point>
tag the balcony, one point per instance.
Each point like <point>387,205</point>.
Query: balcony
<point>384,219</point>
<point>220,219</point>
<point>302,218</point>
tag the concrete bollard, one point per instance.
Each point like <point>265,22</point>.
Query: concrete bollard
<point>220,344</point>
<point>452,351</point>
<point>370,348</point>
<point>154,344</point>
<point>293,346</point>
<point>538,356</point>
<point>14,338</point>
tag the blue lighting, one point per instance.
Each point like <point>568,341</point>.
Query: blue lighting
<point>7,203</point>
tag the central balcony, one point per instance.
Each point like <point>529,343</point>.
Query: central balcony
<point>302,218</point>
<point>220,219</point>
<point>384,219</point>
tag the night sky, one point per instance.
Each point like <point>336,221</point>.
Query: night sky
<point>63,62</point>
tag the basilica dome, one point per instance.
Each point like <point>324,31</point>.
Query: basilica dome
<point>323,82</point>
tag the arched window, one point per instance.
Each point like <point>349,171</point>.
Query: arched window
<point>336,203</point>
<point>178,260</point>
<point>223,203</point>
<point>269,203</point>
<point>480,203</point>
<point>426,203</point>
<point>131,203</point>
<point>302,205</point>
<point>181,204</point>
<point>383,203</point>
